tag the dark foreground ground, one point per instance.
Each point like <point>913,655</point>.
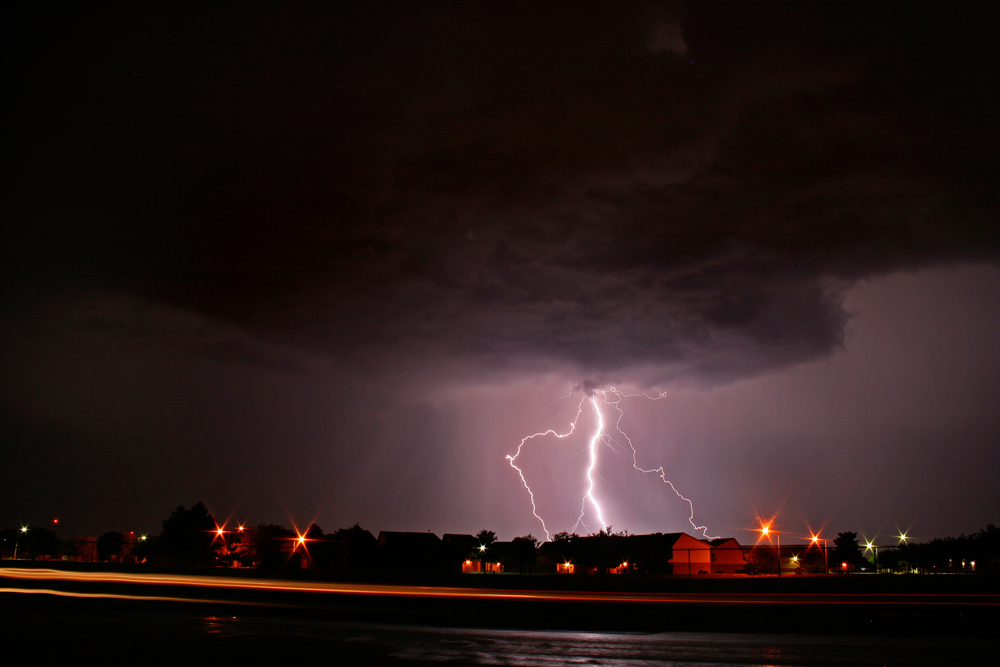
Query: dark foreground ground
<point>53,617</point>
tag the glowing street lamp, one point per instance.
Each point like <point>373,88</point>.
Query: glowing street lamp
<point>482,557</point>
<point>874,549</point>
<point>23,531</point>
<point>219,534</point>
<point>826,562</point>
<point>765,531</point>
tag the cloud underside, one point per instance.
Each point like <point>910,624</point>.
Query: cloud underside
<point>508,195</point>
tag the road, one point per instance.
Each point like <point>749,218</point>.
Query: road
<point>193,619</point>
<point>200,588</point>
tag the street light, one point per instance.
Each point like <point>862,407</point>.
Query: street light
<point>765,531</point>
<point>826,562</point>
<point>874,549</point>
<point>23,531</point>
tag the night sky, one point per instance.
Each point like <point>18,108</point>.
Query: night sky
<point>333,262</point>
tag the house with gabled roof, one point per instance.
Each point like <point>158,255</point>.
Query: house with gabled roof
<point>670,553</point>
<point>727,555</point>
<point>461,552</point>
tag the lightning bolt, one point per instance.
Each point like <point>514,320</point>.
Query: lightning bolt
<point>616,404</point>
<point>600,435</point>
<point>513,457</point>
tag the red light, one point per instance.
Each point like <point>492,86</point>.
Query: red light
<point>55,520</point>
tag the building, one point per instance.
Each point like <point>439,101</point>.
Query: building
<point>672,553</point>
<point>727,555</point>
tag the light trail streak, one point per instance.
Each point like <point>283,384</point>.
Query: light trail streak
<point>384,590</point>
<point>601,434</point>
<point>117,596</point>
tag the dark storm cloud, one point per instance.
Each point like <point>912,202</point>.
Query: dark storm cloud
<point>511,187</point>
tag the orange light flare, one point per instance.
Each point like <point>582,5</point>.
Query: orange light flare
<point>815,537</point>
<point>766,530</point>
<point>300,541</point>
<point>219,533</point>
<point>814,540</point>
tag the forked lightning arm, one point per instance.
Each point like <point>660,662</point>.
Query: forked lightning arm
<point>635,462</point>
<point>599,434</point>
<point>512,458</point>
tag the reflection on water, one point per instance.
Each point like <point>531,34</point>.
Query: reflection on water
<point>530,647</point>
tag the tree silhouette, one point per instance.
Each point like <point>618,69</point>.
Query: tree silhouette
<point>565,545</point>
<point>270,544</point>
<point>188,534</point>
<point>524,550</point>
<point>42,542</point>
<point>846,549</point>
<point>355,549</point>
<point>110,544</point>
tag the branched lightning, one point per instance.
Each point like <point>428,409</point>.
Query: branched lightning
<point>616,404</point>
<point>512,457</point>
<point>600,435</point>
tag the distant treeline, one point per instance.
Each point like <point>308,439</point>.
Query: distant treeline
<point>191,537</point>
<point>978,552</point>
